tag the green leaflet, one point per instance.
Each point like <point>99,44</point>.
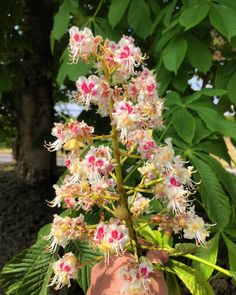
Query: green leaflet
<point>201,131</point>
<point>184,124</point>
<point>205,91</point>
<point>215,147</point>
<point>223,18</point>
<point>138,15</point>
<point>174,53</point>
<point>173,286</point>
<point>198,54</point>
<point>214,120</point>
<point>151,236</point>
<point>28,273</point>
<point>227,179</point>
<point>172,98</point>
<point>61,20</point>
<point>116,11</point>
<point>213,196</point>
<point>231,86</point>
<point>231,253</point>
<point>180,82</point>
<point>209,252</point>
<point>193,280</point>
<point>193,15</point>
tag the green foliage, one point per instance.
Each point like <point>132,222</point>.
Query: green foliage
<point>184,248</point>
<point>29,272</point>
<point>62,19</point>
<point>198,54</point>
<point>185,132</point>
<point>213,196</point>
<point>173,286</point>
<point>116,11</point>
<point>223,18</point>
<point>174,53</point>
<point>192,16</point>
<point>193,280</point>
<point>139,14</point>
<point>209,253</point>
<point>231,253</point>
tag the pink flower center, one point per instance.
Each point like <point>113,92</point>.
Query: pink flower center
<point>174,182</point>
<point>78,38</point>
<point>99,163</point>
<point>127,107</point>
<point>67,162</point>
<point>91,160</point>
<point>126,52</point>
<point>87,88</point>
<point>150,87</point>
<point>144,271</point>
<point>100,233</point>
<point>67,268</point>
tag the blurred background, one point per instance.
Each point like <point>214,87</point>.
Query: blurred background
<point>191,45</point>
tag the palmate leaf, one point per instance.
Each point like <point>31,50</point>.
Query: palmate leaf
<point>193,280</point>
<point>209,252</point>
<point>28,273</point>
<point>213,196</point>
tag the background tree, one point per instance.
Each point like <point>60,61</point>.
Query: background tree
<point>27,86</point>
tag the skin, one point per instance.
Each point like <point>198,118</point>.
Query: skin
<point>105,279</point>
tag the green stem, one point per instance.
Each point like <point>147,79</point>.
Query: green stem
<point>132,171</point>
<point>216,267</point>
<point>91,19</point>
<point>123,198</point>
<point>163,134</point>
<point>108,209</point>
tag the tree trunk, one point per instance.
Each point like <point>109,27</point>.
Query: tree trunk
<point>35,165</point>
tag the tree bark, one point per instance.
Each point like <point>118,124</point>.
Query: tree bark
<point>35,165</point>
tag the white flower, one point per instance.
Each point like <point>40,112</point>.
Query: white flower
<point>195,228</point>
<point>195,83</point>
<point>136,280</point>
<point>64,269</point>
